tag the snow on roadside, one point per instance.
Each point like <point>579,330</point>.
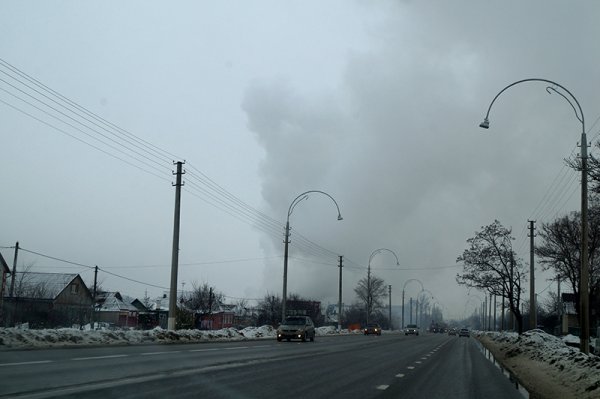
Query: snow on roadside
<point>21,338</point>
<point>573,365</point>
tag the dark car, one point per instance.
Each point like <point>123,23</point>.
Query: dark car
<point>411,329</point>
<point>464,332</point>
<point>452,331</point>
<point>373,328</point>
<point>296,327</point>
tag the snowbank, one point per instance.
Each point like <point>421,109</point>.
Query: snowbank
<point>26,338</point>
<point>570,366</point>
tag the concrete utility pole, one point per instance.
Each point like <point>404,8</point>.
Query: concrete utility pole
<point>175,251</point>
<point>390,304</point>
<point>410,310</point>
<point>495,309</point>
<point>340,296</point>
<point>402,310</point>
<point>490,314</point>
<point>92,317</point>
<point>14,271</point>
<point>532,308</point>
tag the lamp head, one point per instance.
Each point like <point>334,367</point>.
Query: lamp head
<point>340,216</point>
<point>485,124</point>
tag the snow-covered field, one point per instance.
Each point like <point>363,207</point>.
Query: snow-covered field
<point>15,338</point>
<point>560,363</point>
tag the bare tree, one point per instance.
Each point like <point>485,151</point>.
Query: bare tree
<point>203,298</point>
<point>491,264</point>
<point>269,310</point>
<point>560,251</point>
<point>372,292</point>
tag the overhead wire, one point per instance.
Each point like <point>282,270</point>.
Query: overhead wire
<point>134,151</point>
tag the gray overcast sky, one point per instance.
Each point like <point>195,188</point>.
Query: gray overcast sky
<point>376,103</point>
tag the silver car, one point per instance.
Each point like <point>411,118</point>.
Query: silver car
<point>296,327</point>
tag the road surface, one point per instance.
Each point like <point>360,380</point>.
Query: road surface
<point>353,366</point>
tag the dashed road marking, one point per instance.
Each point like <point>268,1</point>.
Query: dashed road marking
<point>204,350</point>
<point>411,367</point>
<point>158,353</point>
<point>399,375</point>
<point>382,387</point>
<point>25,363</point>
<point>99,357</point>
<point>418,362</point>
<point>236,347</point>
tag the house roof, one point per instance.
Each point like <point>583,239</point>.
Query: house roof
<point>113,302</point>
<point>42,285</point>
<point>4,265</point>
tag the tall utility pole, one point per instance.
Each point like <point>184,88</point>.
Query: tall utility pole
<point>92,317</point>
<point>175,252</point>
<point>340,296</point>
<point>402,327</point>
<point>14,271</point>
<point>410,301</point>
<point>390,304</point>
<point>532,308</point>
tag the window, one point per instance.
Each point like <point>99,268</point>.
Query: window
<point>74,288</point>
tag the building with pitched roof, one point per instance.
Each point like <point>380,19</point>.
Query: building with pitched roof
<point>47,300</point>
<point>116,309</point>
<point>4,272</point>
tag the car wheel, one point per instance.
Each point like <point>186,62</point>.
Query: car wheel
<point>312,339</point>
<point>278,339</point>
<point>304,338</point>
<point>288,339</point>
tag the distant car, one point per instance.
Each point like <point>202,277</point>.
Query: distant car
<point>411,329</point>
<point>464,332</point>
<point>452,331</point>
<point>373,328</point>
<point>296,327</point>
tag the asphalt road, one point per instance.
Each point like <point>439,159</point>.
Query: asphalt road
<point>388,366</point>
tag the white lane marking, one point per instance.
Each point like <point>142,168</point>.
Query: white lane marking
<point>424,358</point>
<point>262,346</point>
<point>25,363</point>
<point>236,347</point>
<point>399,375</point>
<point>382,387</point>
<point>99,357</point>
<point>411,367</point>
<point>204,350</point>
<point>158,353</point>
<point>418,362</point>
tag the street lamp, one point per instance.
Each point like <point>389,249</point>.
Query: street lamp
<point>584,286</point>
<point>369,296</point>
<point>295,202</point>
<point>403,288</point>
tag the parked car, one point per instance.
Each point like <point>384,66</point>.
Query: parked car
<point>373,328</point>
<point>411,329</point>
<point>296,327</point>
<point>464,332</point>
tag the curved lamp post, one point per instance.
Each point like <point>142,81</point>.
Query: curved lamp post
<point>369,293</point>
<point>584,286</point>
<point>403,288</point>
<point>295,202</point>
